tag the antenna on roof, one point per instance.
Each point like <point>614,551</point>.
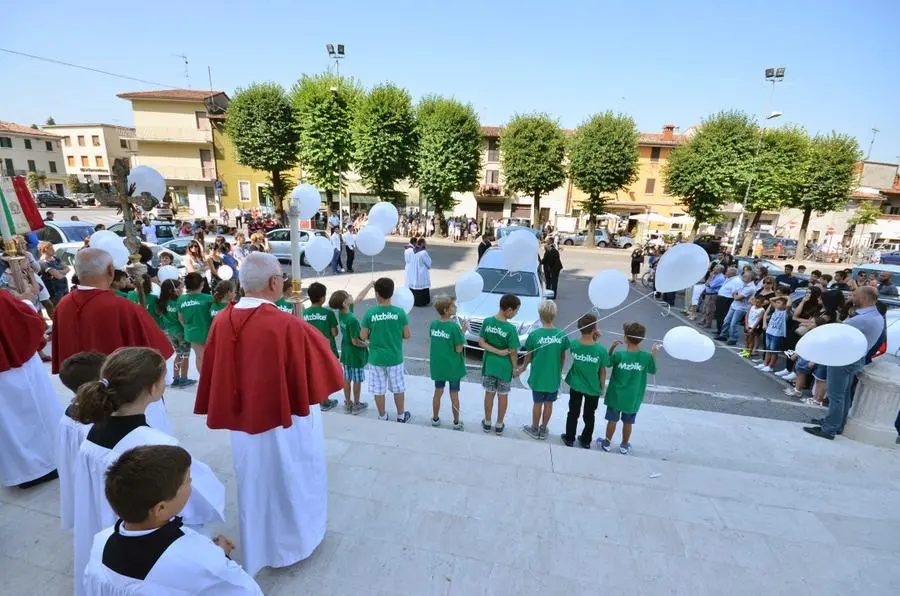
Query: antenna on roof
<point>187,75</point>
<point>209,74</point>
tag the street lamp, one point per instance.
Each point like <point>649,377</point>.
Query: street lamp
<point>336,53</point>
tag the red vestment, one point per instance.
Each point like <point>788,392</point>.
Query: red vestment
<point>262,366</point>
<point>21,332</point>
<point>100,321</point>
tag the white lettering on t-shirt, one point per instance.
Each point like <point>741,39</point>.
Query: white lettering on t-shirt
<point>630,366</point>
<point>187,303</point>
<point>385,316</point>
<point>440,333</point>
<point>286,309</point>
<point>546,341</point>
<point>496,330</point>
<point>315,317</point>
<point>586,358</point>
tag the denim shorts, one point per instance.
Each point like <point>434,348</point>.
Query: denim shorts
<point>541,397</point>
<point>820,372</point>
<point>356,375</point>
<point>803,365</point>
<point>454,385</point>
<point>613,415</point>
<point>773,342</point>
<point>495,385</point>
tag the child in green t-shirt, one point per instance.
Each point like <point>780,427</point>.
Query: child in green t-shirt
<point>500,341</point>
<point>121,284</point>
<point>446,358</point>
<point>167,308</point>
<point>223,295</point>
<point>385,326</point>
<point>150,301</point>
<point>319,316</point>
<point>193,312</point>
<point>546,352</point>
<point>627,384</point>
<point>585,379</point>
<point>354,351</point>
<point>284,303</point>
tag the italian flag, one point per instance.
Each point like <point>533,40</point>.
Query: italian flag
<point>18,213</point>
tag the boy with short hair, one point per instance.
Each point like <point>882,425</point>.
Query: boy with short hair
<point>500,341</point>
<point>354,351</point>
<point>149,550</point>
<point>121,283</point>
<point>446,358</point>
<point>627,384</point>
<point>585,379</point>
<point>385,327</point>
<point>284,303</point>
<point>320,317</point>
<point>546,352</point>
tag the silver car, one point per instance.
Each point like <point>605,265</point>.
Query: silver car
<point>527,285</point>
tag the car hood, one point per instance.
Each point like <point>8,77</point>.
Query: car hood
<point>487,305</point>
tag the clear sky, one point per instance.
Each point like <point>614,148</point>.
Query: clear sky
<point>660,61</point>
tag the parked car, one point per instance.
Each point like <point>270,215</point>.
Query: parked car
<point>876,268</point>
<point>507,230</point>
<point>46,198</point>
<point>61,232</point>
<point>162,211</point>
<point>66,253</point>
<point>165,230</point>
<point>85,200</point>
<point>526,285</point>
<point>280,242</point>
<point>601,238</point>
<point>710,243</point>
<point>891,258</point>
<point>626,242</point>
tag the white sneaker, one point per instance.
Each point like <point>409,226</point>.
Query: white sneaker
<point>783,372</point>
<point>790,377</point>
<point>766,369</point>
<point>761,366</point>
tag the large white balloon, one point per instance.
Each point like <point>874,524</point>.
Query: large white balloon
<point>702,349</point>
<point>523,378</point>
<point>679,341</point>
<point>118,252</point>
<point>225,272</point>
<point>155,290</point>
<point>520,251</point>
<point>308,199</point>
<point>166,273</point>
<point>681,267</point>
<point>319,253</point>
<point>97,238</point>
<point>147,180</point>
<point>835,344</point>
<point>469,286</point>
<point>403,297</point>
<point>370,240</point>
<point>608,289</point>
<point>384,216</point>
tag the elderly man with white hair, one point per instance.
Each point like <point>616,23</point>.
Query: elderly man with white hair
<point>257,381</point>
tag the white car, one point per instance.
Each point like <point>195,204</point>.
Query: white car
<point>66,254</point>
<point>527,285</point>
<point>280,242</point>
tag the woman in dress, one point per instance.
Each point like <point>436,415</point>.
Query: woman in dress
<point>637,260</point>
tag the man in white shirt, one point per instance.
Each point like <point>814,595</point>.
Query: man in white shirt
<point>350,246</point>
<point>734,320</point>
<point>725,296</point>
<point>336,257</point>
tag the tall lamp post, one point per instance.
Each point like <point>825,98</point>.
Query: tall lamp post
<point>336,53</point>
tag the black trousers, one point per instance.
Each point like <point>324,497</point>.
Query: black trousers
<point>421,297</point>
<point>552,280</point>
<point>351,254</point>
<point>239,220</point>
<point>722,306</point>
<point>590,408</point>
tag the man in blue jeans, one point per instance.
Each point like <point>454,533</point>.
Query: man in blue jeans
<point>840,378</point>
<point>734,320</point>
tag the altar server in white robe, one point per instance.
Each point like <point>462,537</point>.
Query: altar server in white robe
<point>29,406</point>
<point>265,372</point>
<point>131,378</point>
<point>149,551</point>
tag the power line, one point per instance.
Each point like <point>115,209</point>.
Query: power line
<point>88,68</point>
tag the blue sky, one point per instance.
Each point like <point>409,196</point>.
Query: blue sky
<point>658,60</point>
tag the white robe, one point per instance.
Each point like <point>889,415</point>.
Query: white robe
<point>421,271</point>
<point>92,510</point>
<point>29,413</point>
<point>190,565</point>
<point>409,269</point>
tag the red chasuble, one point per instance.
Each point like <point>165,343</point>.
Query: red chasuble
<point>100,321</point>
<point>262,366</point>
<point>21,332</point>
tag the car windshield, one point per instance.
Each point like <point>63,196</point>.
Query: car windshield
<point>500,281</point>
<point>78,233</point>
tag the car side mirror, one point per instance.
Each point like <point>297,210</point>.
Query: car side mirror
<point>549,294</point>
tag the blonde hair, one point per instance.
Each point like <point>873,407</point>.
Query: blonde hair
<point>442,304</point>
<point>547,311</point>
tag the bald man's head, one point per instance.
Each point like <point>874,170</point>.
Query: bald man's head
<point>94,267</point>
<point>864,296</point>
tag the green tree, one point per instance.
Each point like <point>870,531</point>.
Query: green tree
<point>50,121</point>
<point>73,184</point>
<point>260,124</point>
<point>448,159</point>
<point>830,177</point>
<point>713,166</point>
<point>532,148</point>
<point>36,180</point>
<point>866,215</point>
<point>779,173</point>
<point>324,106</point>
<point>603,157</point>
<point>384,139</point>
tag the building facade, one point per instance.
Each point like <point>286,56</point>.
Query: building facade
<point>90,150</point>
<point>24,149</point>
<point>174,136</point>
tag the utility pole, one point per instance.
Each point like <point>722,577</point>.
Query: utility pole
<point>875,132</point>
<point>187,76</point>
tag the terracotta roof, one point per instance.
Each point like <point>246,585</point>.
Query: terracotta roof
<point>648,138</point>
<point>171,94</point>
<point>867,195</point>
<point>491,131</point>
<point>27,131</point>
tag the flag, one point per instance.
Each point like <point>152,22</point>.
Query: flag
<point>18,213</point>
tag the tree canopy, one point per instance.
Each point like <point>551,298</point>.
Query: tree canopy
<point>35,180</point>
<point>384,138</point>
<point>532,148</point>
<point>50,121</point>
<point>449,152</point>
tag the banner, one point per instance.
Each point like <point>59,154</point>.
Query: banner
<point>18,213</point>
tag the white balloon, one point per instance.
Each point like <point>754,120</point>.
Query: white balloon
<point>608,289</point>
<point>702,350</point>
<point>167,272</point>
<point>403,297</point>
<point>119,253</point>
<point>835,344</point>
<point>155,290</point>
<point>523,378</point>
<point>384,216</point>
<point>98,238</point>
<point>370,240</point>
<point>469,286</point>
<point>147,180</point>
<point>319,253</point>
<point>307,197</point>
<point>679,341</point>
<point>225,272</point>
<point>520,251</point>
<point>681,267</point>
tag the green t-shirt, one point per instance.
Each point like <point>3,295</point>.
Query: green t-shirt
<point>385,325</point>
<point>150,303</point>
<point>194,309</point>
<point>547,346</point>
<point>352,356</point>
<point>125,295</point>
<point>216,307</point>
<point>285,306</point>
<point>501,335</point>
<point>587,360</point>
<point>446,363</point>
<point>628,380</point>
<point>324,320</point>
<point>132,295</point>
<point>170,318</point>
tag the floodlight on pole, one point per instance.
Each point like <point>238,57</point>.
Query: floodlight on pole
<point>330,48</point>
<point>773,115</point>
<point>337,55</point>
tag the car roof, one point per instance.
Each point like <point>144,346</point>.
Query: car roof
<point>66,223</point>
<point>493,259</point>
<point>876,267</point>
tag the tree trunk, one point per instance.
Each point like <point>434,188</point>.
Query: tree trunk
<point>747,236</point>
<point>536,210</point>
<point>801,239</point>
<point>695,228</point>
<point>329,196</point>
<point>278,196</point>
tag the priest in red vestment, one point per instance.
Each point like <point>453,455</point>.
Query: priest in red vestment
<point>29,407</point>
<point>265,372</point>
<point>91,318</point>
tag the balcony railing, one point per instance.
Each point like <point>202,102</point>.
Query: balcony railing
<point>489,189</point>
<point>184,172</point>
<point>172,135</point>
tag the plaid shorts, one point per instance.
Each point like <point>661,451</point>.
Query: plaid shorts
<point>357,375</point>
<point>495,385</point>
<point>182,346</point>
<point>384,379</point>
